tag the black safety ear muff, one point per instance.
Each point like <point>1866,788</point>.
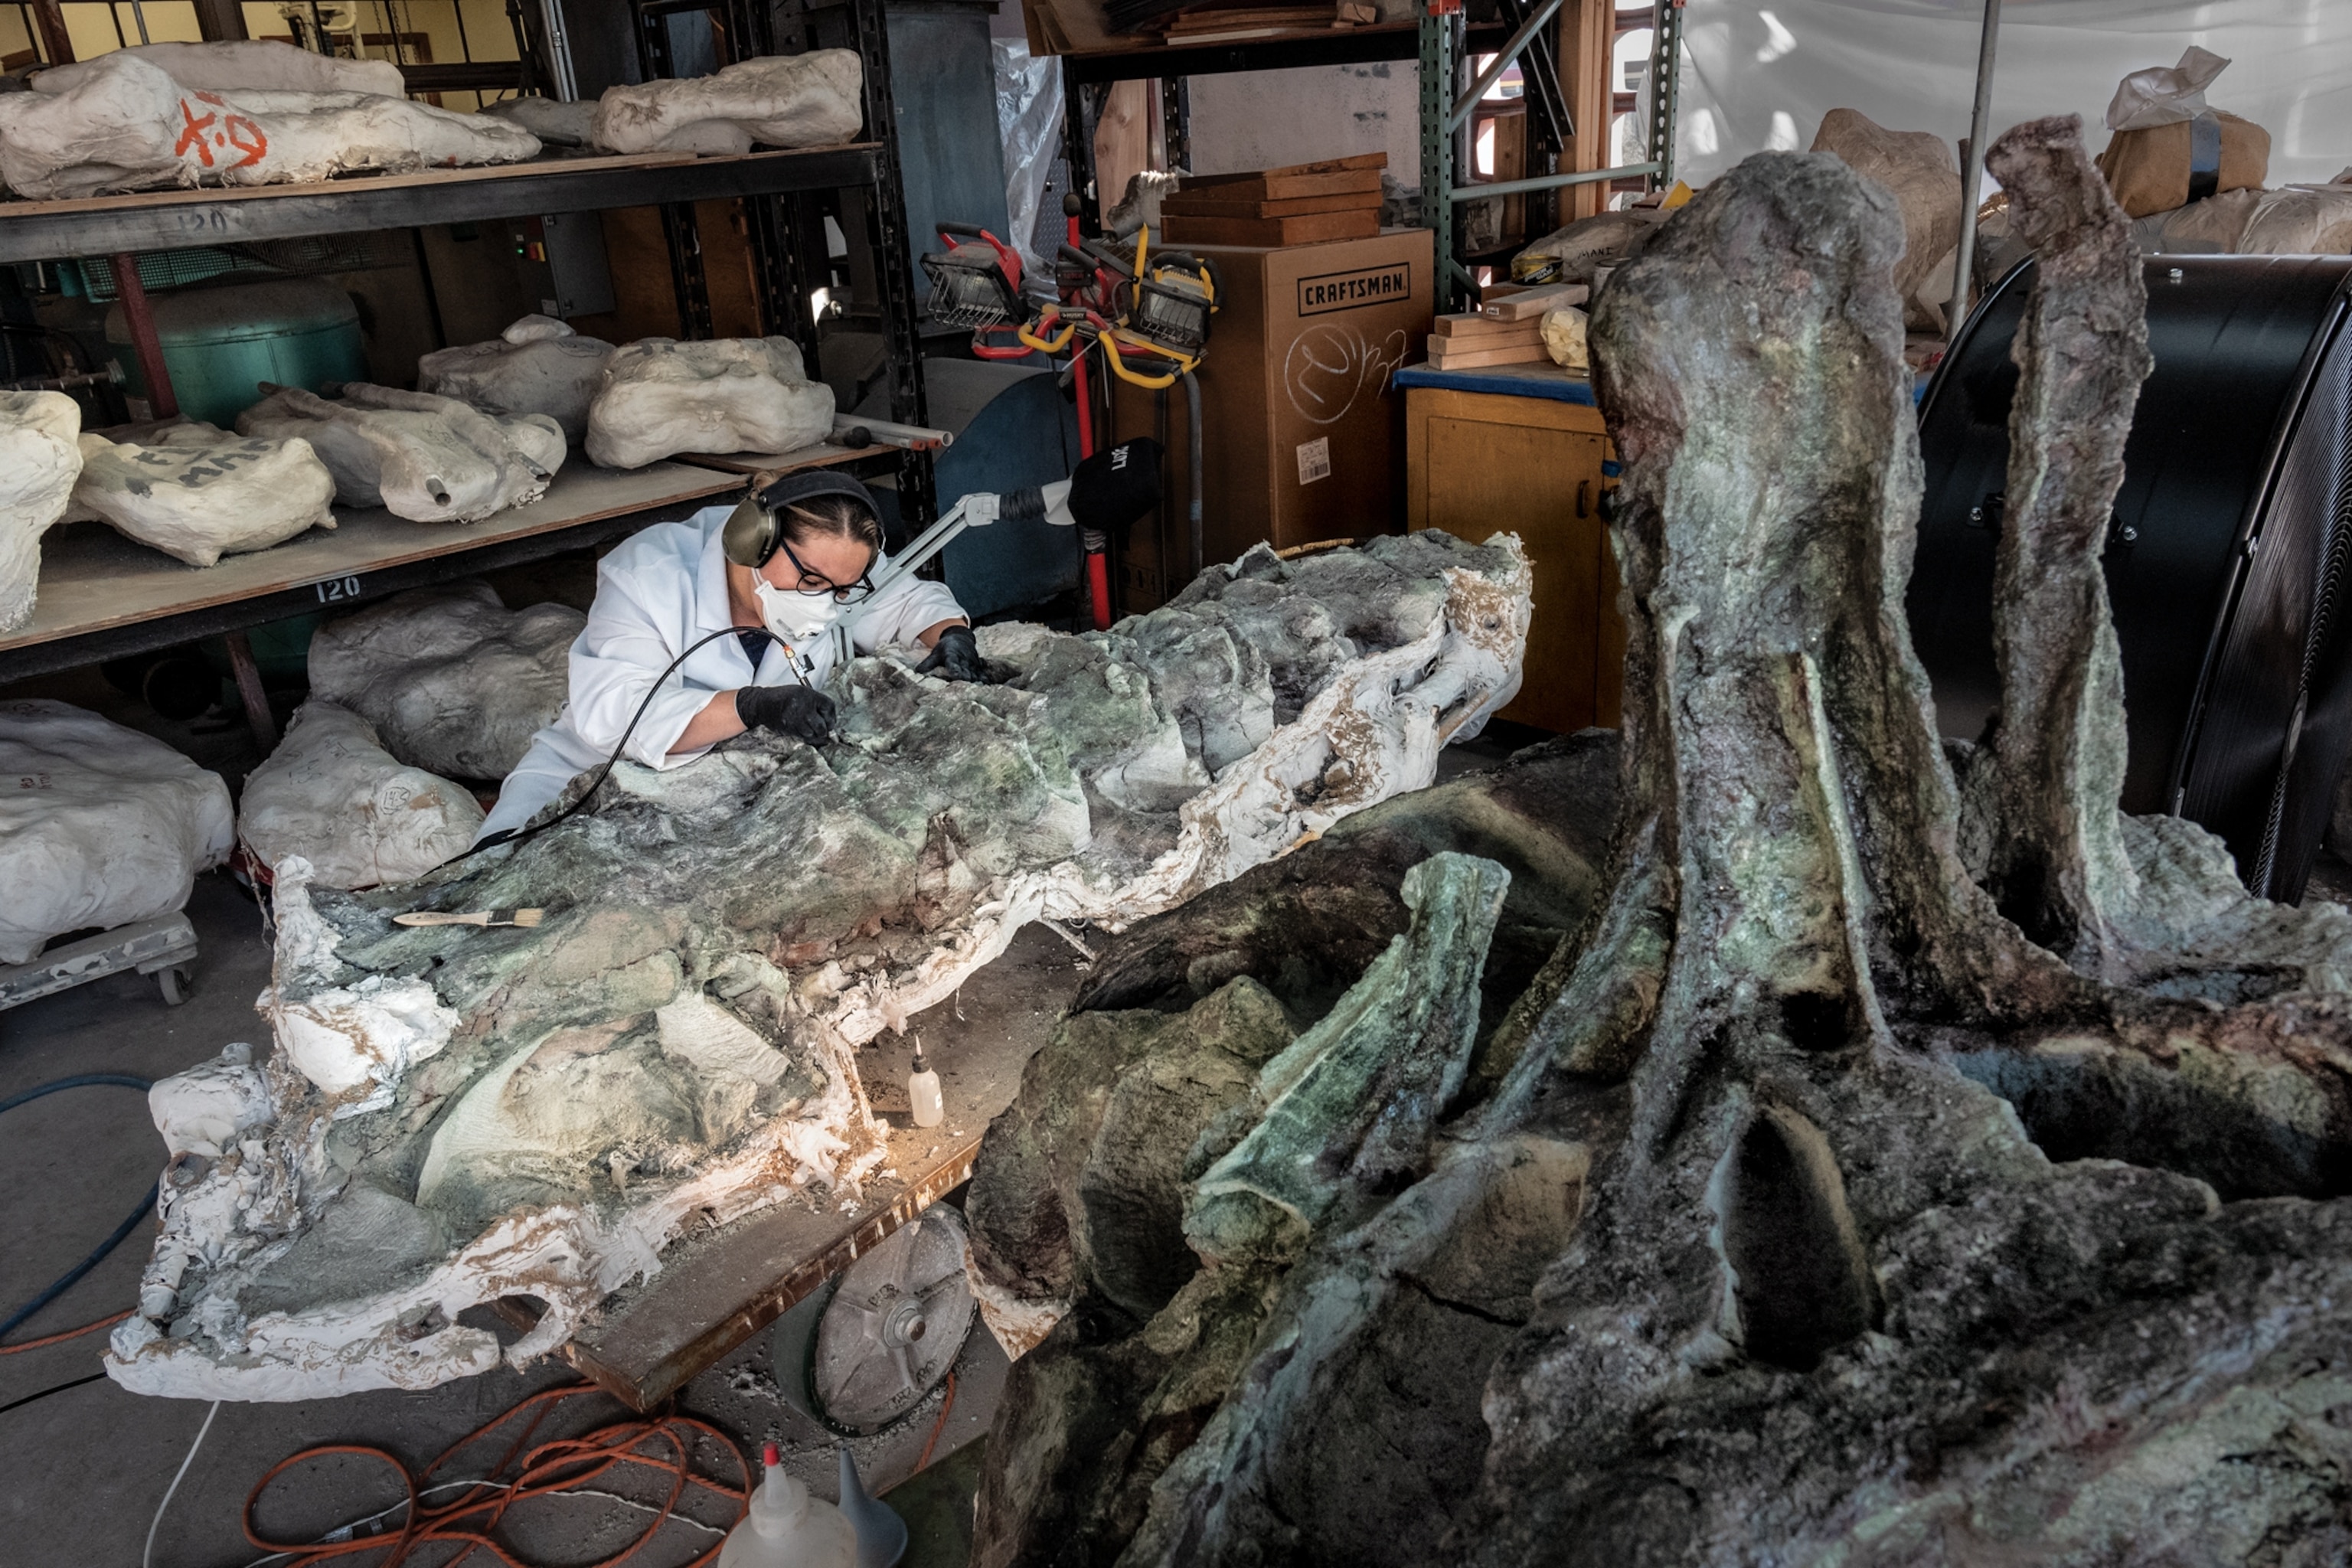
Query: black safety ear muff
<point>755,527</point>
<point>750,536</point>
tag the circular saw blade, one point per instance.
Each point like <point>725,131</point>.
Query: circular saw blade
<point>896,1323</point>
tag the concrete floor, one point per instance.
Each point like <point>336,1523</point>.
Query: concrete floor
<point>87,1465</point>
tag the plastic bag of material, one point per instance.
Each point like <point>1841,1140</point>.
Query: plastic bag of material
<point>99,826</point>
<point>332,794</point>
<point>1029,122</point>
<point>2169,149</point>
<point>2165,95</point>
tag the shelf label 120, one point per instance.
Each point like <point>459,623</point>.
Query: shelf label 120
<point>336,590</point>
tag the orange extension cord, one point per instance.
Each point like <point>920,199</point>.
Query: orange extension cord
<point>550,1468</point>
<point>68,1335</point>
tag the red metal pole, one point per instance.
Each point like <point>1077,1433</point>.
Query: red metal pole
<point>1097,558</point>
<point>162,403</point>
<point>49,20</point>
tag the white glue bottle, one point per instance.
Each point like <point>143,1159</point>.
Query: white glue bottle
<point>788,1528</point>
<point>923,1092</point>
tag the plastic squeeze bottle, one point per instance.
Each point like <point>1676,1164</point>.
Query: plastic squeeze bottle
<point>923,1092</point>
<point>788,1528</point>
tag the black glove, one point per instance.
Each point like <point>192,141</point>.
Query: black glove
<point>799,711</point>
<point>956,656</point>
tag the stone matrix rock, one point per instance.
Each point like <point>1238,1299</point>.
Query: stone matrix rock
<point>331,794</point>
<point>458,1115</point>
<point>810,100</point>
<point>453,682</point>
<point>538,365</point>
<point>733,394</point>
<point>39,461</point>
<point>118,123</point>
<point>1800,1207</point>
<point>430,458</point>
<point>197,493</point>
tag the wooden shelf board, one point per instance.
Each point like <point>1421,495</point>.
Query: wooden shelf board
<point>94,579</point>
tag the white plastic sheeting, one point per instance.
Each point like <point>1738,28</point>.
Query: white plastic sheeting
<point>1029,119</point>
<point>99,826</point>
<point>1762,76</point>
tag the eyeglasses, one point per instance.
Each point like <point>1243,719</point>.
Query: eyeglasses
<point>818,583</point>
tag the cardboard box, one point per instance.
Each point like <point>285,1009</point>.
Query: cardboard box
<point>1304,435</point>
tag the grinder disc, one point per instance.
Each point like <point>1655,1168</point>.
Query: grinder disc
<point>895,1324</point>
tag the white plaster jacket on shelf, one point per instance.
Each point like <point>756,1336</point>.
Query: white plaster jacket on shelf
<point>538,365</point>
<point>655,594</point>
<point>778,100</point>
<point>432,459</point>
<point>197,493</point>
<point>38,463</point>
<point>727,395</point>
<point>119,123</point>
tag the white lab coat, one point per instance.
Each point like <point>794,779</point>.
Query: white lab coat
<point>656,594</point>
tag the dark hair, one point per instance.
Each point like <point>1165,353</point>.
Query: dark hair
<point>838,516</point>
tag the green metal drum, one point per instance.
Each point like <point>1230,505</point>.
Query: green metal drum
<point>221,343</point>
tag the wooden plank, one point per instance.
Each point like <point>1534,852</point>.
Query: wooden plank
<point>1212,205</point>
<point>67,206</point>
<point>1278,187</point>
<point>1484,330</point>
<point>1357,161</point>
<point>1363,223</point>
<point>1587,33</point>
<point>823,455</point>
<point>1531,304</point>
<point>146,220</point>
<point>1122,141</point>
<point>715,1292</point>
<point>93,579</point>
<point>1261,17</point>
<point>1442,358</point>
<point>1332,176</point>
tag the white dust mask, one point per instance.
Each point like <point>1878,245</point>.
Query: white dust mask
<point>793,616</point>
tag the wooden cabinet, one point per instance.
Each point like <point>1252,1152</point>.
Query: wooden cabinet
<point>1479,463</point>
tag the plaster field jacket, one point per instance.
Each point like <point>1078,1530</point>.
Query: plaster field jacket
<point>656,594</point>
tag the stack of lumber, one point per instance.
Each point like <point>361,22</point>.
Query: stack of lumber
<point>1469,342</point>
<point>1507,329</point>
<point>1300,205</point>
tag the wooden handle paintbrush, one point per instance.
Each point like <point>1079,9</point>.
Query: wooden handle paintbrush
<point>475,918</point>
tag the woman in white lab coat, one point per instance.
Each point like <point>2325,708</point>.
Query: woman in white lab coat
<point>788,571</point>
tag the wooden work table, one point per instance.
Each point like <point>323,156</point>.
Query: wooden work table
<point>717,1290</point>
<point>103,596</point>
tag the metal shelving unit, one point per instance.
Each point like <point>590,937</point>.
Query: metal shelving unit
<point>785,194</point>
<point>1448,99</point>
<point>170,220</point>
<point>1442,44</point>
